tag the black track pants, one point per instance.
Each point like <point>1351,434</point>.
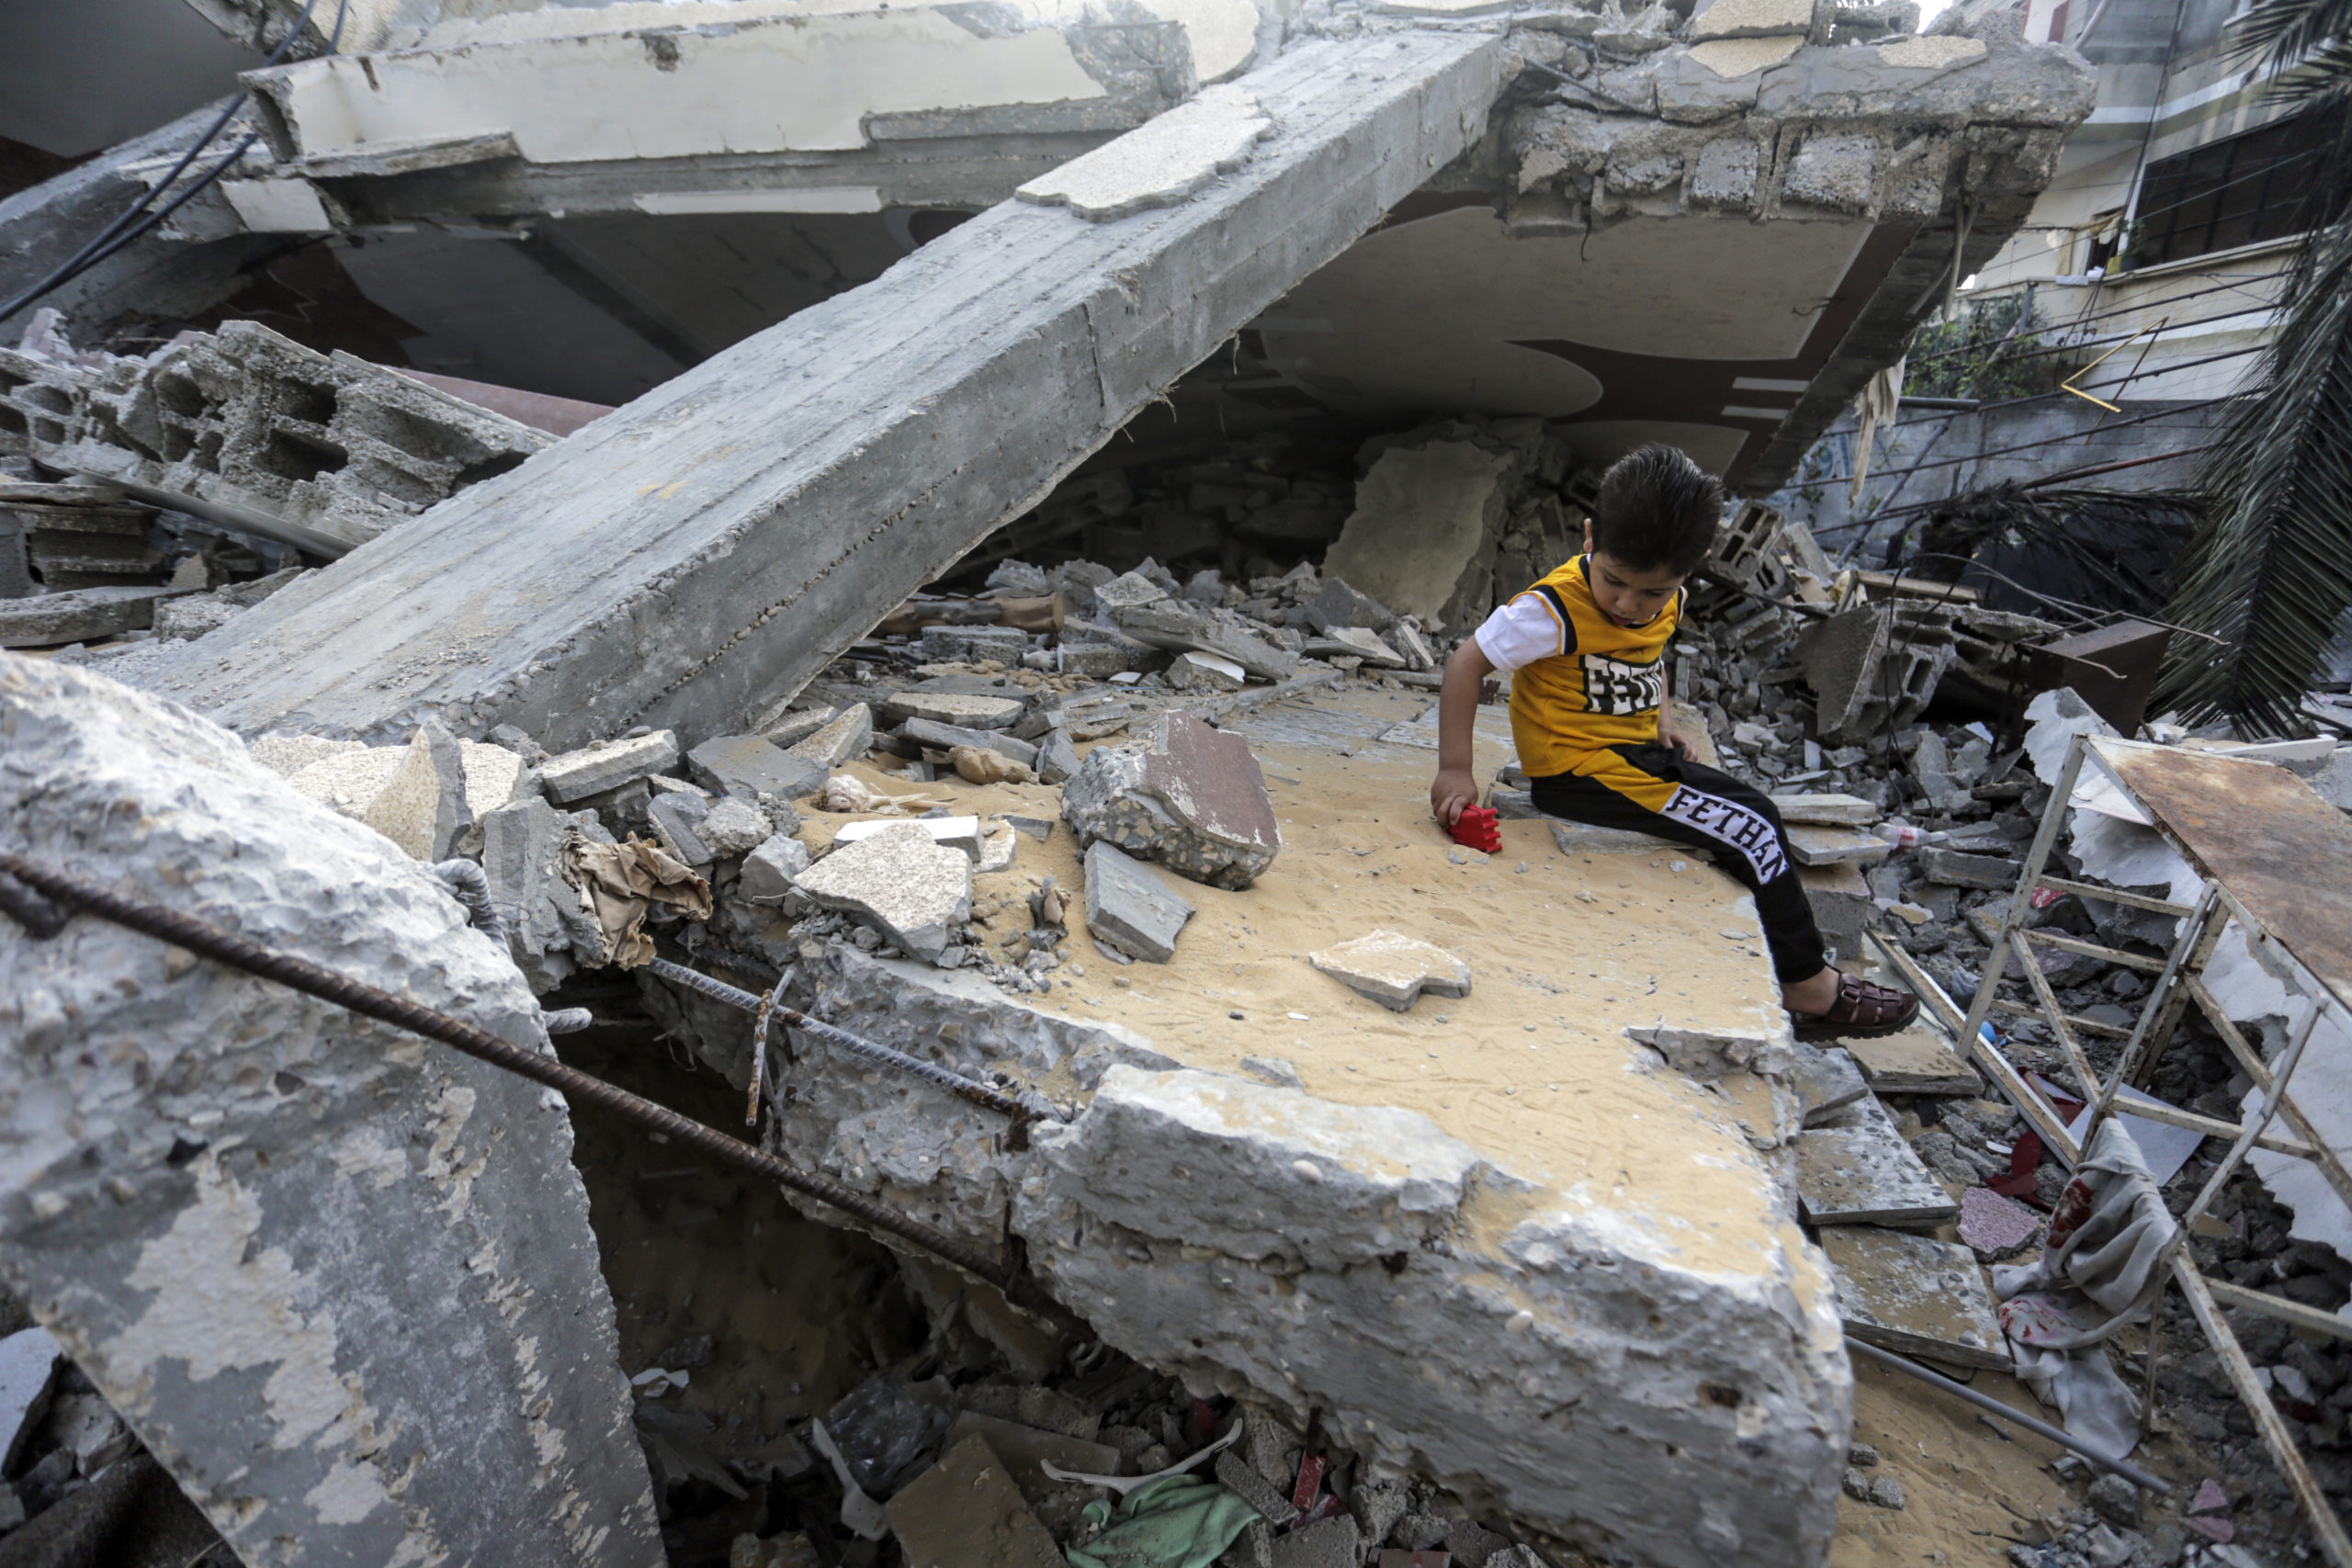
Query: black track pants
<point>1648,789</point>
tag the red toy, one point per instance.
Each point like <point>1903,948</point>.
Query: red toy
<point>1477,827</point>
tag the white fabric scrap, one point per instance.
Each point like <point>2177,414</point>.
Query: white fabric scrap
<point>2099,1269</point>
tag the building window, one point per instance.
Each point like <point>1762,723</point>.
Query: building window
<point>2239,191</point>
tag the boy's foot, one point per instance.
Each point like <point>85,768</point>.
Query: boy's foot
<point>1860,1010</point>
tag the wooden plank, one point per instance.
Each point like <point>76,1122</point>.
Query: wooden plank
<point>2266,1419</point>
<point>2283,854</point>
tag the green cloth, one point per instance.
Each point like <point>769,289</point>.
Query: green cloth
<point>1185,1522</point>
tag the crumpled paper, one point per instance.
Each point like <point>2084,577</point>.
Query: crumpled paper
<point>621,883</point>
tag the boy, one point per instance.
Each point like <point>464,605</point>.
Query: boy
<point>1589,707</point>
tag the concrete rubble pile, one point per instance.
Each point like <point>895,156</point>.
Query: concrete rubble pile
<point>823,845</point>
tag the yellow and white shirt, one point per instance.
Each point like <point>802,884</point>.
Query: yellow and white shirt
<point>1580,682</point>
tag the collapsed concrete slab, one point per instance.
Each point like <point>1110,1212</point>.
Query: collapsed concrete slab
<point>703,552</point>
<point>1545,1268</point>
<point>340,1282</point>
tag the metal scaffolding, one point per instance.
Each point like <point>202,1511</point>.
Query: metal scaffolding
<point>2276,861</point>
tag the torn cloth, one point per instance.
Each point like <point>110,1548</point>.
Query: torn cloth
<point>1882,399</point>
<point>622,883</point>
<point>1185,1522</point>
<point>2100,1267</point>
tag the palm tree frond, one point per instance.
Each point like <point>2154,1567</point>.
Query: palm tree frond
<point>2269,571</point>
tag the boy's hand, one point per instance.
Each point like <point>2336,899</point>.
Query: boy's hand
<point>1452,790</point>
<point>1679,747</point>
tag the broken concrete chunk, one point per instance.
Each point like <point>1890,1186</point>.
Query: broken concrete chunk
<point>1183,795</point>
<point>1334,1543</point>
<point>971,645</point>
<point>1918,1060</point>
<point>1206,672</point>
<point>947,737</point>
<point>677,816</point>
<point>968,711</point>
<point>1393,969</point>
<point>1280,1071</point>
<point>966,1512</point>
<point>1419,654</point>
<point>1424,516</point>
<point>749,765</point>
<point>1826,810</point>
<point>1827,1081</point>
<point>1183,628</point>
<point>771,871</point>
<point>1056,758</point>
<point>1026,1451</point>
<point>1128,909</point>
<point>1993,1226</point>
<point>1238,1475</point>
<point>794,727</point>
<point>607,765</point>
<point>1336,606</point>
<point>1752,18</point>
<point>83,615</point>
<point>899,884</point>
<point>839,741</point>
<point>1358,643</point>
<point>422,806</point>
<point>1915,1296</point>
<point>1127,590</point>
<point>733,825</point>
<point>1161,161</point>
<point>523,857</point>
<point>286,755</point>
<point>1954,869</point>
<point>1837,846</point>
<point>28,1360</point>
<point>1859,1171</point>
<point>957,832</point>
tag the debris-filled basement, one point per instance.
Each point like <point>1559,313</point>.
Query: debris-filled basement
<point>1214,782</point>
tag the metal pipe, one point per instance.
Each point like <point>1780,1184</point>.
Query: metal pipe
<point>914,1067</point>
<point>470,884</point>
<point>312,979</point>
<point>2130,1473</point>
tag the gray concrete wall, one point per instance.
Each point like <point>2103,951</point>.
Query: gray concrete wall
<point>339,1281</point>
<point>2074,433</point>
<point>706,549</point>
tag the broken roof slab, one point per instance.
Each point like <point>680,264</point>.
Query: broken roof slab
<point>1494,1240</point>
<point>1714,250</point>
<point>706,549</point>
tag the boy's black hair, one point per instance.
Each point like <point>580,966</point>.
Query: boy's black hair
<point>1657,509</point>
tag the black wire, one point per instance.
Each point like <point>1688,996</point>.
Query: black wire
<point>113,238</point>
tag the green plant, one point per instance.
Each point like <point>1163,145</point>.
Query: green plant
<point>1986,350</point>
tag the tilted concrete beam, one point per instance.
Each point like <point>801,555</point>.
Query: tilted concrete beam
<point>341,1281</point>
<point>705,550</point>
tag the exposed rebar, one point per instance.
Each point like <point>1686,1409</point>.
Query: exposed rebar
<point>898,1060</point>
<point>314,980</point>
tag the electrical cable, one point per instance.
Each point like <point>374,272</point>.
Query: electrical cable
<point>112,237</point>
<point>2030,445</point>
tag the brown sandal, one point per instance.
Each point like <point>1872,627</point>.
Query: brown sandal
<point>1861,1010</point>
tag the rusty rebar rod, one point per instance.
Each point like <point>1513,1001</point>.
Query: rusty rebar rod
<point>314,980</point>
<point>763,1008</point>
